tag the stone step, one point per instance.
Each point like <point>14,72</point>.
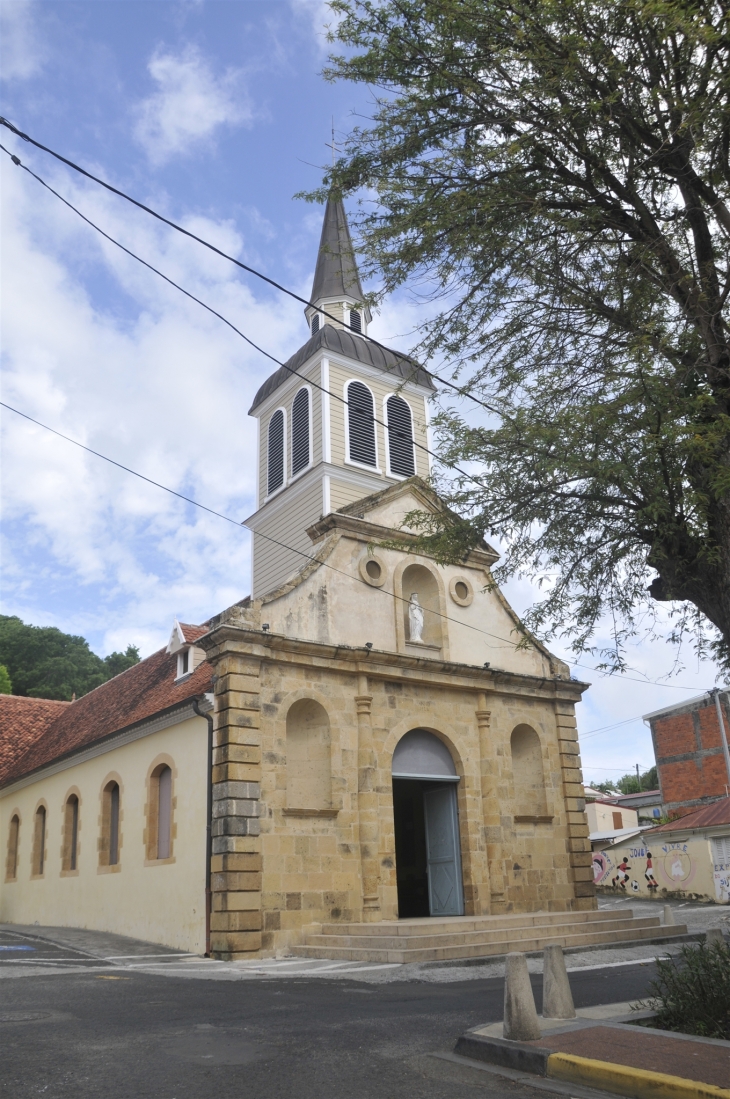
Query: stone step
<point>428,925</point>
<point>568,938</point>
<point>451,937</point>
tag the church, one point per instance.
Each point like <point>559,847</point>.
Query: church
<point>359,742</point>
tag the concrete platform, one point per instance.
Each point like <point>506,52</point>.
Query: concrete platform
<point>467,937</point>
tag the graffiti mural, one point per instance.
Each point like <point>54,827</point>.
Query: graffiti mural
<point>721,876</point>
<point>676,865</point>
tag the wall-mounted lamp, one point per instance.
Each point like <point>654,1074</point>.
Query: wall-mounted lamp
<point>486,664</point>
<point>368,645</point>
<point>265,627</point>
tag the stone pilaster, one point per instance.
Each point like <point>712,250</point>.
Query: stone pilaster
<point>367,805</point>
<point>578,844</point>
<point>490,806</point>
<point>236,862</point>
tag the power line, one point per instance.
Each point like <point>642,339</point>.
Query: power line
<point>386,427</point>
<point>244,266</point>
<point>292,549</point>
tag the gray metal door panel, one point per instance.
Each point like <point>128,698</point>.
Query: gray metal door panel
<point>445,894</point>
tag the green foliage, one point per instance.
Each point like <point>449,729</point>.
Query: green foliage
<point>43,662</point>
<point>629,784</point>
<point>691,992</point>
<point>556,175</point>
<point>6,687</point>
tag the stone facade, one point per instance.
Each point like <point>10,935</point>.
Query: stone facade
<point>307,720</point>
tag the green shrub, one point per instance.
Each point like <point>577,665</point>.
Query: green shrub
<point>691,992</point>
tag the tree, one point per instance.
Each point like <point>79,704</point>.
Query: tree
<point>6,687</point>
<point>43,662</point>
<point>556,176</point>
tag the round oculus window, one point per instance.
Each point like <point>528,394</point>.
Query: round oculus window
<point>461,591</point>
<point>372,570</point>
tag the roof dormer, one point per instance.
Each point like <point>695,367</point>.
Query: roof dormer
<point>182,644</point>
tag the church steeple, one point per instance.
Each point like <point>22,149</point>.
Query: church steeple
<point>336,287</point>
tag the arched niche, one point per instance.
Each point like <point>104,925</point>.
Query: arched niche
<point>421,755</point>
<point>527,773</point>
<point>308,756</point>
<point>419,580</point>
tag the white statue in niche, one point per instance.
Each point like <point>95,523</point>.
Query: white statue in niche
<point>415,619</point>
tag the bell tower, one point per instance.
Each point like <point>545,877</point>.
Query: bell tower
<point>342,419</point>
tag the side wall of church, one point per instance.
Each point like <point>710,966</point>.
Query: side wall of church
<point>274,563</point>
<point>330,728</point>
<point>159,901</point>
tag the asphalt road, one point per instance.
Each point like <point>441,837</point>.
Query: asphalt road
<point>136,1035</point>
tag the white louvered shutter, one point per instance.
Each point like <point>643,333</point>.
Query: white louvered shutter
<point>276,452</point>
<point>400,437</point>
<point>361,424</point>
<point>721,849</point>
<point>355,321</point>
<point>300,441</point>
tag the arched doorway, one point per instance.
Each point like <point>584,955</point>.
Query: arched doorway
<point>427,850</point>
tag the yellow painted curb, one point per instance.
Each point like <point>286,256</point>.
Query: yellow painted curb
<point>624,1080</point>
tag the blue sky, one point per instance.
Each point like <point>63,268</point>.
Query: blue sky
<point>214,113</point>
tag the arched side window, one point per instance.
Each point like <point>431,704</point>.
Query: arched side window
<point>11,863</point>
<point>159,814</point>
<point>527,772</point>
<point>401,460</point>
<point>301,446</point>
<point>39,842</point>
<point>110,811</point>
<point>276,463</point>
<point>308,761</point>
<point>69,857</point>
<point>361,425</point>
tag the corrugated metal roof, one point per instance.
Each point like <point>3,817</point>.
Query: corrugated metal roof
<point>341,342</point>
<point>717,812</point>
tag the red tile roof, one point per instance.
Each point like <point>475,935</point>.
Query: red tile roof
<point>717,812</point>
<point>22,722</point>
<point>192,633</point>
<point>147,689</point>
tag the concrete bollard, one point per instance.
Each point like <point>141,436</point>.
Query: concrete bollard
<point>520,1015</point>
<point>714,935</point>
<point>668,915</point>
<point>557,999</point>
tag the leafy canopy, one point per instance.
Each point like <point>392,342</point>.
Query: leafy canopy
<point>43,662</point>
<point>556,176</point>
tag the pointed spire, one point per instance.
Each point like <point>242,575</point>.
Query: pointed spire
<point>336,274</point>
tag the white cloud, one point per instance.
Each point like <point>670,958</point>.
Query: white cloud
<point>146,377</point>
<point>320,17</point>
<point>22,53</point>
<point>190,103</point>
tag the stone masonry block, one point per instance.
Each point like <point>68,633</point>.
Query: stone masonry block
<point>235,826</point>
<point>237,845</point>
<point>236,772</point>
<point>229,945</point>
<point>237,700</point>
<point>238,862</point>
<point>236,902</point>
<point>585,889</point>
<point>237,881</point>
<point>236,727</point>
<point>582,873</point>
<point>231,752</point>
<point>236,807</point>
<point>579,844</point>
<point>223,790</point>
<point>237,681</point>
<point>235,921</point>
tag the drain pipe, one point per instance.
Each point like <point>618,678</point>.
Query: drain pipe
<point>208,715</point>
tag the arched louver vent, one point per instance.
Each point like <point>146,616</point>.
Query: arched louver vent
<point>400,437</point>
<point>300,432</point>
<point>276,452</point>
<point>361,424</point>
<point>355,321</point>
<point>315,324</point>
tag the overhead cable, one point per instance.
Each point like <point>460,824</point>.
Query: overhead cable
<point>292,549</point>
